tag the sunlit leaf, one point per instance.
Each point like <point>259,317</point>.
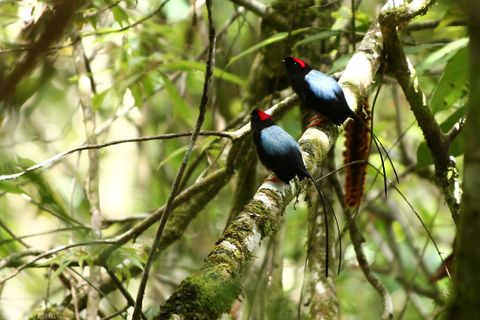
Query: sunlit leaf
<point>453,82</point>
<point>442,55</point>
<point>180,107</point>
<point>318,36</point>
<point>68,257</point>
<point>172,155</point>
<point>98,99</point>
<point>10,187</point>
<point>120,16</point>
<point>273,39</point>
<point>188,65</point>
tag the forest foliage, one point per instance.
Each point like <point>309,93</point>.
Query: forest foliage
<point>98,100</point>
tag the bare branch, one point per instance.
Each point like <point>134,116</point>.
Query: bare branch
<point>169,206</point>
<point>59,157</point>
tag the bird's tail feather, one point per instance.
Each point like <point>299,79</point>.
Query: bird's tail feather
<point>380,148</point>
<point>326,203</point>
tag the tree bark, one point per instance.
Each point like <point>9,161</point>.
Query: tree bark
<point>466,281</point>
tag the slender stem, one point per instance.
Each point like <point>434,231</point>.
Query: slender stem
<point>169,206</point>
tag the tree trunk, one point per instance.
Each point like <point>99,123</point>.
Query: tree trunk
<point>466,281</point>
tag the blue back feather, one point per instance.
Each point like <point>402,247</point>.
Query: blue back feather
<point>322,85</point>
<point>276,141</point>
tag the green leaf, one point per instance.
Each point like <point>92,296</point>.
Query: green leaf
<point>120,16</point>
<point>123,258</point>
<point>43,194</point>
<point>78,256</point>
<point>97,100</point>
<point>180,106</point>
<point>421,47</point>
<point>318,36</point>
<point>10,187</point>
<point>125,255</point>
<point>453,82</point>
<point>273,39</point>
<point>188,65</point>
<point>442,55</point>
<point>453,14</point>
<point>172,155</point>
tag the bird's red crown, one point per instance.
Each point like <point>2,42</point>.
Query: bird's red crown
<point>263,116</point>
<point>300,62</point>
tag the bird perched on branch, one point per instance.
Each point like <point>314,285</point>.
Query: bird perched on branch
<point>280,153</point>
<point>322,95</point>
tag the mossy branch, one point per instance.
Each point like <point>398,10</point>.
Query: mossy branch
<point>216,285</point>
<point>446,172</point>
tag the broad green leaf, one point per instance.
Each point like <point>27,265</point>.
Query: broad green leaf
<point>10,187</point>
<point>207,143</point>
<point>318,36</point>
<point>180,106</point>
<point>421,47</point>
<point>97,100</point>
<point>273,39</point>
<point>43,194</point>
<point>424,157</point>
<point>453,83</point>
<point>172,155</point>
<point>125,255</point>
<point>453,14</point>
<point>188,65</point>
<point>120,16</point>
<point>442,55</point>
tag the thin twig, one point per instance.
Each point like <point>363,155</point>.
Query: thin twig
<point>446,172</point>
<point>50,252</point>
<point>79,37</point>
<point>59,157</point>
<point>83,70</point>
<point>357,241</point>
<point>169,206</point>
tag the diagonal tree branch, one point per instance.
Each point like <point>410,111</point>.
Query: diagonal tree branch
<point>446,172</point>
<point>48,30</point>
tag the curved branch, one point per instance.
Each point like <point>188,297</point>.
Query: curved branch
<point>59,157</point>
<point>267,14</point>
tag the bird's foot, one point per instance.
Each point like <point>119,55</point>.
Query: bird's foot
<point>274,179</point>
<point>315,121</point>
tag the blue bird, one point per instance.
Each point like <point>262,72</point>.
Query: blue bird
<point>280,153</point>
<point>322,95</point>
<point>318,92</point>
